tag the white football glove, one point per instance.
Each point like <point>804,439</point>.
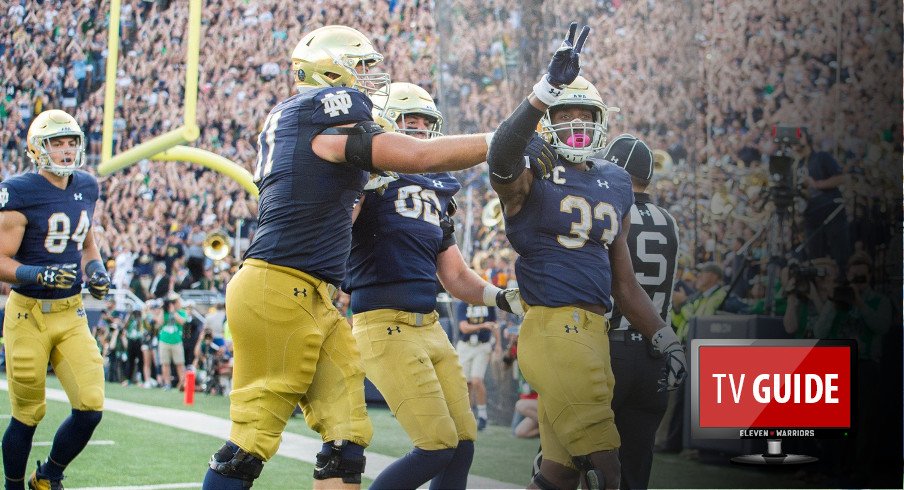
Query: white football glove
<point>666,342</point>
<point>505,299</point>
<point>379,180</point>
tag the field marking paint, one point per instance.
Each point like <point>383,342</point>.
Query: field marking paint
<point>293,446</point>
<point>162,486</point>
<point>90,443</point>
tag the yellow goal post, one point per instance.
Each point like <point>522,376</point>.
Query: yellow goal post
<point>169,146</point>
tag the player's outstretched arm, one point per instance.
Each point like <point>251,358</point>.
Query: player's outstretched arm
<point>507,149</point>
<point>398,152</point>
<point>375,150</point>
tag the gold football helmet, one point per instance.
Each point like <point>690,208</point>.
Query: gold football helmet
<point>407,98</point>
<point>328,57</point>
<point>51,124</point>
<point>577,140</point>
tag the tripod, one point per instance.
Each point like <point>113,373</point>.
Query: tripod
<point>775,245</point>
<point>775,231</point>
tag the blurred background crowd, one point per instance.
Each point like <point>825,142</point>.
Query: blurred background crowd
<point>703,81</point>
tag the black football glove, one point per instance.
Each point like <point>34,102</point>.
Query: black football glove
<point>452,207</point>
<point>510,301</point>
<point>541,157</point>
<point>99,284</point>
<point>565,64</point>
<point>447,224</point>
<point>58,276</point>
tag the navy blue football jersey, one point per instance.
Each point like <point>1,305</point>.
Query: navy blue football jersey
<point>476,314</point>
<point>563,231</point>
<point>305,208</point>
<point>58,224</point>
<point>396,240</point>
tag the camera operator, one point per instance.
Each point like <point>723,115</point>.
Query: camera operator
<point>820,186</point>
<point>134,331</point>
<point>153,319</point>
<point>856,311</point>
<point>808,287</point>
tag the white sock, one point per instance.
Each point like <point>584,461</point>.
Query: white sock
<point>482,411</point>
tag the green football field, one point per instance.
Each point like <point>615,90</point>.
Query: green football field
<point>130,452</point>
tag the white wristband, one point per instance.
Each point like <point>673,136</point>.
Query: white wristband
<point>489,295</point>
<point>489,138</point>
<point>663,338</point>
<point>546,92</point>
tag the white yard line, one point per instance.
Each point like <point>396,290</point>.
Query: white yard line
<point>293,446</point>
<point>146,487</point>
<point>90,443</point>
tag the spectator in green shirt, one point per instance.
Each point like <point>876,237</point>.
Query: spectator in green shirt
<point>170,339</point>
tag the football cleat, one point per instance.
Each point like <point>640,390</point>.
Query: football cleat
<point>481,423</point>
<point>38,482</point>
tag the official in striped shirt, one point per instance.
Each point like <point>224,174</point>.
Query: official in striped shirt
<point>638,402</point>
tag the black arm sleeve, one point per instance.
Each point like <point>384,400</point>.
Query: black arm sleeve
<point>359,147</point>
<point>506,155</point>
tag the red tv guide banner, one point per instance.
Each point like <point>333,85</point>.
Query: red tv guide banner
<point>774,387</point>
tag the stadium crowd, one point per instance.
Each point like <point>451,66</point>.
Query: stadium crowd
<point>707,91</point>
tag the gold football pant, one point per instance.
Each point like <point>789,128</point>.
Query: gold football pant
<point>291,347</point>
<point>410,360</point>
<point>564,355</point>
<point>37,331</point>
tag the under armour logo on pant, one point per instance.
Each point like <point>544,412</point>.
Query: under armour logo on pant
<point>571,329</point>
<point>397,329</point>
<point>303,292</point>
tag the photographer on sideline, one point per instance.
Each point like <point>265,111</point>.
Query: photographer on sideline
<point>153,319</point>
<point>856,311</point>
<point>808,289</point>
<point>820,186</point>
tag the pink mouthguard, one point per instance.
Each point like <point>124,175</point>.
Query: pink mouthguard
<point>578,140</point>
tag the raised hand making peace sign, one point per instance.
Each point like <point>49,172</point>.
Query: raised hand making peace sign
<point>564,66</point>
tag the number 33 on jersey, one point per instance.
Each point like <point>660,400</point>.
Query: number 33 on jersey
<point>563,231</point>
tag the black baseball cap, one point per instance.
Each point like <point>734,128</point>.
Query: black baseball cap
<point>631,154</point>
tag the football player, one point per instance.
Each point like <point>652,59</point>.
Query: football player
<point>402,238</point>
<point>45,243</point>
<point>316,150</point>
<point>569,232</point>
<point>653,243</point>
